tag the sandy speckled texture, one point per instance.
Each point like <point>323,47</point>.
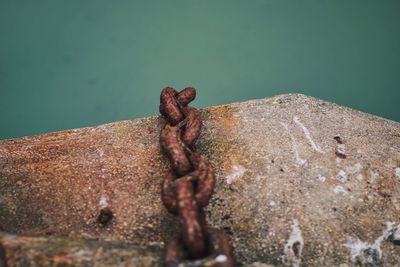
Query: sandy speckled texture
<point>278,161</point>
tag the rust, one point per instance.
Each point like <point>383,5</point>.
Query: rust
<point>186,96</point>
<point>204,179</point>
<point>70,174</point>
<point>174,148</point>
<point>219,250</point>
<point>188,186</point>
<point>224,151</point>
<point>192,126</point>
<point>174,252</point>
<point>171,103</point>
<point>169,106</point>
<point>167,192</point>
<point>192,232</point>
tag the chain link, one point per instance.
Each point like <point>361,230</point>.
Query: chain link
<point>188,186</point>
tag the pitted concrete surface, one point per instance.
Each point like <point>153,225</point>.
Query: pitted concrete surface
<point>300,182</point>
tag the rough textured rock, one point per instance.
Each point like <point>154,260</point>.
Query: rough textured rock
<point>56,251</point>
<point>299,182</point>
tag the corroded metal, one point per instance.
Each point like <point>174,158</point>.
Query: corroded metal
<point>188,186</point>
<point>220,252</point>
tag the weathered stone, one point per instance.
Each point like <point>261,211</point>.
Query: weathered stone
<point>299,182</point>
<point>57,251</point>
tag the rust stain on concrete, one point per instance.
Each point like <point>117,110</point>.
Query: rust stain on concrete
<point>56,184</point>
<point>61,178</point>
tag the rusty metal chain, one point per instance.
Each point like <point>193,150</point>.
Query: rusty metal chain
<point>188,186</point>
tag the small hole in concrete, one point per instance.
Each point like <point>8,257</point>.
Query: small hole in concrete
<point>340,155</point>
<point>338,139</point>
<point>296,248</point>
<point>105,216</point>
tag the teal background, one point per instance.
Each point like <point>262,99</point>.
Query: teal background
<point>74,63</point>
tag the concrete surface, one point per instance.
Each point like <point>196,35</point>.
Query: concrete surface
<point>300,182</point>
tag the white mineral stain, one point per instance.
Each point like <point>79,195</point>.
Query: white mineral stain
<point>321,178</point>
<point>236,172</point>
<point>396,233</point>
<point>103,202</point>
<point>294,246</point>
<point>272,233</point>
<point>341,148</point>
<point>342,176</point>
<point>360,177</point>
<point>307,134</point>
<point>339,189</point>
<point>374,176</point>
<point>299,160</point>
<point>397,172</point>
<point>272,203</point>
<point>368,253</point>
<point>221,258</point>
<point>356,168</point>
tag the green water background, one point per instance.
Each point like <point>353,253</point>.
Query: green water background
<point>68,64</point>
